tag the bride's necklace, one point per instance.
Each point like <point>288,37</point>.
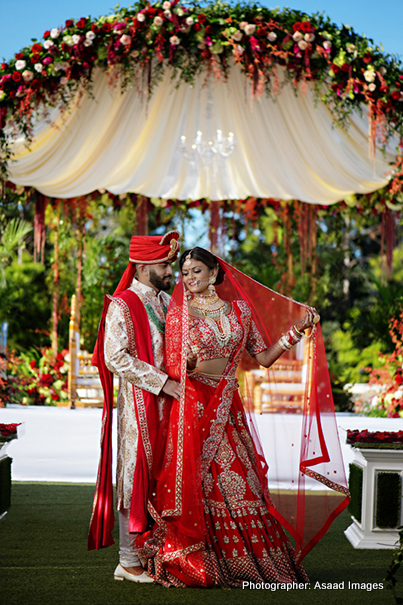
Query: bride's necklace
<point>213,310</point>
<point>208,305</point>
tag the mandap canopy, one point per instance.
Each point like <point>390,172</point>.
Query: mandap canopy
<point>315,110</point>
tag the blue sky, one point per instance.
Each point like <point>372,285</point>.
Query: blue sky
<point>22,20</point>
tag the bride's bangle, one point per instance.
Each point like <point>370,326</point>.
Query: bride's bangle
<point>190,372</point>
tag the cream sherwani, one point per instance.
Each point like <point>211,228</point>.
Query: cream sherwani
<point>132,371</point>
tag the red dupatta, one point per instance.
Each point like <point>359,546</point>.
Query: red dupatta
<point>102,520</point>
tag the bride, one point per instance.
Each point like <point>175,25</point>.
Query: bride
<point>214,519</point>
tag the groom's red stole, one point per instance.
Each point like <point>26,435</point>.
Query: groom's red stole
<point>103,519</point>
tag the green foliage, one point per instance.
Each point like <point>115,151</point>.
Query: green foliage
<point>25,304</point>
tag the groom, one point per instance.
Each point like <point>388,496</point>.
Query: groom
<point>131,345</point>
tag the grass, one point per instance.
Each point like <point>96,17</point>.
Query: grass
<point>44,561</point>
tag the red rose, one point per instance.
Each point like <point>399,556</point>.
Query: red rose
<point>106,27</point>
<point>55,397</point>
<point>12,94</point>
<point>151,11</point>
<point>306,26</point>
<point>345,67</point>
<point>396,96</point>
<point>65,47</point>
<point>32,364</point>
<point>36,48</point>
<point>201,18</point>
<point>208,29</point>
<point>4,65</point>
<point>81,23</point>
<point>197,27</point>
<point>19,56</point>
<point>69,23</point>
<point>297,26</point>
<point>335,68</point>
<point>16,76</point>
<point>46,34</point>
<point>35,83</point>
<point>95,28</point>
<point>367,58</point>
<point>384,88</point>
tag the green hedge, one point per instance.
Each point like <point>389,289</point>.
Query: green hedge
<point>5,484</point>
<point>355,486</point>
<point>388,499</point>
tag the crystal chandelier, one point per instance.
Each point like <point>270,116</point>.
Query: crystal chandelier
<point>212,149</point>
<point>206,152</point>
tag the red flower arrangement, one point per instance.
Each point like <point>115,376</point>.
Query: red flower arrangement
<point>365,436</point>
<point>8,431</point>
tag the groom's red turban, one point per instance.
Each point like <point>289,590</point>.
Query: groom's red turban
<point>152,249</point>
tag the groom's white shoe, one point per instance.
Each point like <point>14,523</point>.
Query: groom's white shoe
<point>122,574</point>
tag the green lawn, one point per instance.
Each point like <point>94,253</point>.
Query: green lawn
<point>44,561</point>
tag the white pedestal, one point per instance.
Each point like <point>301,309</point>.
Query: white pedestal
<point>366,534</point>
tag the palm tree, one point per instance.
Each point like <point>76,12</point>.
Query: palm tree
<point>12,236</point>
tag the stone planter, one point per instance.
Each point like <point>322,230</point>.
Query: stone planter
<point>377,502</point>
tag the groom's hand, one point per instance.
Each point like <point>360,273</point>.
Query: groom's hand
<point>172,388</point>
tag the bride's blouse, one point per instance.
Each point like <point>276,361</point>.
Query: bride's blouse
<point>203,334</point>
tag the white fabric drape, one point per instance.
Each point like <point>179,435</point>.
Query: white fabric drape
<point>286,148</point>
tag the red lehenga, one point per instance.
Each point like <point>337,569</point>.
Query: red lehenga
<point>215,522</point>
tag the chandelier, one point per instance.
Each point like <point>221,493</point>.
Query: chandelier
<point>206,152</point>
<point>212,149</point>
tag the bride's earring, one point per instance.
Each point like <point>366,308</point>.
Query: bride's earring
<point>211,282</point>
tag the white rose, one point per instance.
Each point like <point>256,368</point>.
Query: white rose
<point>237,36</point>
<point>369,75</point>
<point>38,67</point>
<point>27,75</point>
<point>76,39</point>
<point>327,44</point>
<point>310,37</point>
<point>174,40</point>
<point>126,40</point>
<point>350,48</point>
<point>398,394</point>
<point>54,33</point>
<point>47,44</point>
<point>166,6</point>
<point>240,49</point>
<point>90,35</point>
<point>65,65</point>
<point>141,17</point>
<point>63,80</point>
<point>302,44</point>
<point>87,42</point>
<point>297,36</point>
<point>158,21</point>
<point>167,14</point>
<point>383,70</point>
<point>272,36</point>
<point>68,40</point>
<point>20,64</point>
<point>134,54</point>
<point>250,29</point>
<point>189,21</point>
<point>58,67</point>
<point>243,24</point>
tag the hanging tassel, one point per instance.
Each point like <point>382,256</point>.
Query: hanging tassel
<point>388,237</point>
<point>39,227</point>
<point>214,225</point>
<point>141,214</point>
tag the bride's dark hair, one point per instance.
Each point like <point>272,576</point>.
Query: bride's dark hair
<point>205,257</point>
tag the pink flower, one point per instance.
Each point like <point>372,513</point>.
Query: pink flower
<point>47,60</point>
<point>27,75</point>
<point>250,29</point>
<point>327,44</point>
<point>126,40</point>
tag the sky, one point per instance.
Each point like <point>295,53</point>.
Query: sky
<point>22,20</point>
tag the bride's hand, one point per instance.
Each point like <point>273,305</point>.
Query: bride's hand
<point>310,319</point>
<point>191,358</point>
